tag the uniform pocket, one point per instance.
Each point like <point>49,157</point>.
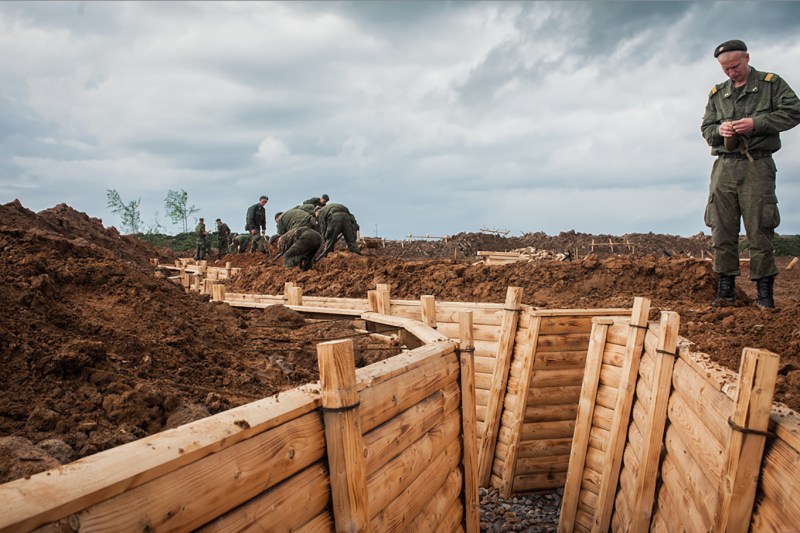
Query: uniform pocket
<point>710,215</point>
<point>770,216</point>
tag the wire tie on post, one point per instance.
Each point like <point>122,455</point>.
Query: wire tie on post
<point>747,431</point>
<point>673,354</point>
<point>340,409</point>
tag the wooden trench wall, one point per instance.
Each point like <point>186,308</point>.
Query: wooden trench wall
<point>388,447</point>
<point>599,402</point>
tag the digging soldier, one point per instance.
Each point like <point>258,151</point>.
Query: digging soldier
<point>295,217</point>
<point>298,247</point>
<point>201,242</point>
<point>742,122</point>
<point>223,234</point>
<point>336,220</point>
<point>256,222</point>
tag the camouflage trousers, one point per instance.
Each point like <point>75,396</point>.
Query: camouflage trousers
<point>302,252</point>
<point>340,225</point>
<point>743,190</point>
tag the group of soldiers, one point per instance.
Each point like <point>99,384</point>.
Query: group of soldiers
<point>305,234</point>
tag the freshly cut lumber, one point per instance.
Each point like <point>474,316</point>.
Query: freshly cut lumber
<point>469,429</point>
<point>702,445</point>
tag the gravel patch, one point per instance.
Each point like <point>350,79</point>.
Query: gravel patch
<point>536,511</point>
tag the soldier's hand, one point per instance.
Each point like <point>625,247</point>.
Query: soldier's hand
<point>743,125</point>
<point>253,232</point>
<point>726,129</point>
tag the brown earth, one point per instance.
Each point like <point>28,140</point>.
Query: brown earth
<point>98,350</point>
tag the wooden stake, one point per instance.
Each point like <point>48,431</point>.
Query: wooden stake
<point>757,375</point>
<point>792,263</point>
<point>384,298</point>
<point>494,408</point>
<point>295,295</point>
<point>469,462</point>
<point>653,433</point>
<point>428,308</point>
<point>287,289</point>
<point>343,435</point>
<point>372,301</point>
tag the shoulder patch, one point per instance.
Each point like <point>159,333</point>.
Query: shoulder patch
<point>769,77</point>
<point>714,90</point>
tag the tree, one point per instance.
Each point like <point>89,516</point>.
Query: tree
<point>130,218</point>
<point>177,210</point>
<point>155,227</point>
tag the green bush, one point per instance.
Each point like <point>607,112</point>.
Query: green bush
<point>180,242</point>
<point>782,244</point>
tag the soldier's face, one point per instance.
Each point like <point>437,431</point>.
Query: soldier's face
<point>735,65</point>
<point>262,202</point>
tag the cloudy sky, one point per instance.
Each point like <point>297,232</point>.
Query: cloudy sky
<point>425,118</point>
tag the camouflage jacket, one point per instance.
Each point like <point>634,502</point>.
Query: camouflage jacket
<point>766,98</point>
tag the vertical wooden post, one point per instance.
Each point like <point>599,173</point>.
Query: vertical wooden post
<point>227,270</point>
<point>653,432</point>
<point>469,423</point>
<point>343,436</point>
<point>384,298</point>
<point>518,410</point>
<point>757,375</point>
<point>178,263</point>
<point>428,309</point>
<point>287,289</point>
<point>508,330</point>
<point>372,301</point>
<point>296,296</point>
<point>221,293</point>
<point>622,412</point>
<point>583,424</point>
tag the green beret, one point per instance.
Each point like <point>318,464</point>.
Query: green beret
<point>730,46</point>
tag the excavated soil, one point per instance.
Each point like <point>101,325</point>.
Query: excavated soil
<point>99,349</point>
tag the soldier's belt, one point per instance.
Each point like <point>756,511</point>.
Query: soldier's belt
<point>757,154</point>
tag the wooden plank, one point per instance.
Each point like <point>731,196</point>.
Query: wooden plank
<point>289,505</point>
<point>551,413</point>
<point>500,378</point>
<point>702,445</point>
<point>469,461</point>
<point>345,445</point>
<point>563,343</point>
<point>560,360</point>
<point>29,503</point>
<point>548,430</point>
<point>757,376</point>
<point>542,465</point>
<point>322,523</point>
<point>580,439</point>
<point>517,411</point>
<point>544,448</point>
<point>436,511</point>
<point>428,310</point>
<point>553,325</point>
<point>194,495</point>
<point>688,512</point>
<point>696,484</point>
<point>780,480</point>
<point>534,482</point>
<point>712,406</point>
<point>554,395</point>
<point>616,446</point>
<point>653,433</point>
<point>480,332</point>
<point>556,378</point>
<point>397,475</point>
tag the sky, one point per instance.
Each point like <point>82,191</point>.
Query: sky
<point>424,118</point>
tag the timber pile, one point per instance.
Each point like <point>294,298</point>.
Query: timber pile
<point>521,254</point>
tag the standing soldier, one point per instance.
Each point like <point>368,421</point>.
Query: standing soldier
<point>742,122</point>
<point>299,246</point>
<point>201,246</point>
<point>335,220</point>
<point>317,202</point>
<point>223,234</point>
<point>256,222</point>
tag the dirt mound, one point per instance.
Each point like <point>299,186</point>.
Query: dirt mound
<point>74,225</point>
<point>465,245</point>
<point>98,352</point>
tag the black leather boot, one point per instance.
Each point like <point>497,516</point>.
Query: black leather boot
<point>726,291</point>
<point>764,286</point>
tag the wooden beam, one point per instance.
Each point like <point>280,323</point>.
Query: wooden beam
<point>622,412</point>
<point>757,376</point>
<point>469,461</point>
<point>384,298</point>
<point>343,436</point>
<point>583,426</point>
<point>518,410</point>
<point>508,329</point>
<point>653,433</point>
<point>287,289</point>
